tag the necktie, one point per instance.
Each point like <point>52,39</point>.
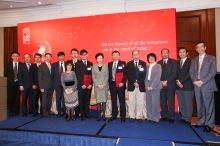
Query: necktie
<point>49,66</point>
<point>61,69</point>
<point>74,64</point>
<point>29,65</point>
<point>164,63</point>
<point>199,67</point>
<point>15,73</point>
<point>37,65</point>
<point>136,70</point>
<point>113,72</point>
<point>181,64</point>
<point>85,63</point>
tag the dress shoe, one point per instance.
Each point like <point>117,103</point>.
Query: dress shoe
<point>139,120</point>
<point>16,114</point>
<point>24,114</point>
<point>181,121</point>
<point>77,115</point>
<point>163,119</point>
<point>46,115</point>
<point>149,120</point>
<point>10,114</point>
<point>196,126</point>
<point>131,120</point>
<point>171,121</point>
<point>83,118</point>
<point>30,113</point>
<point>187,123</point>
<point>73,118</point>
<point>59,114</point>
<point>68,119</point>
<point>88,116</point>
<point>66,115</point>
<point>154,122</point>
<point>98,119</point>
<point>207,129</point>
<point>112,118</point>
<point>122,120</point>
<point>34,114</point>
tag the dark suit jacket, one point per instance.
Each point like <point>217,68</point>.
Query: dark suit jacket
<point>24,76</point>
<point>34,75</point>
<point>9,73</point>
<point>183,76</point>
<point>55,70</point>
<point>123,69</point>
<point>131,75</point>
<point>81,70</point>
<point>72,64</point>
<point>44,76</point>
<point>169,73</point>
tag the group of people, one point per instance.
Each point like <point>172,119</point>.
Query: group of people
<point>74,79</point>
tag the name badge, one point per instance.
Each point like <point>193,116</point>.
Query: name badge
<point>88,68</point>
<point>141,69</point>
<point>120,67</point>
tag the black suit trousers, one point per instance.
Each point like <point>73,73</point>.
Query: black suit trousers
<point>60,103</point>
<point>120,93</point>
<point>25,95</point>
<point>35,95</point>
<point>84,101</point>
<point>13,98</point>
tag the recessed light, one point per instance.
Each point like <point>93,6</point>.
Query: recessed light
<point>39,3</point>
<point>11,6</point>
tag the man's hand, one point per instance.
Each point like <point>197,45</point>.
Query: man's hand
<point>198,83</point>
<point>100,86</point>
<point>41,90</point>
<point>84,86</point>
<point>34,87</point>
<point>89,87</point>
<point>164,83</point>
<point>179,83</point>
<point>121,85</point>
<point>136,84</point>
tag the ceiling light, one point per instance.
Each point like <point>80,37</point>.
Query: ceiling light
<point>39,3</point>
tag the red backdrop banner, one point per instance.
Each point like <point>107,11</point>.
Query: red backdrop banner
<point>146,31</point>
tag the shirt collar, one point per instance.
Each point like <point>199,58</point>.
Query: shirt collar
<point>184,59</point>
<point>136,61</point>
<point>115,62</point>
<point>74,60</point>
<point>61,62</point>
<point>165,60</point>
<point>152,64</point>
<point>202,56</point>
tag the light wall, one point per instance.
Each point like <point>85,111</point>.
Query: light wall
<point>1,51</point>
<point>217,29</point>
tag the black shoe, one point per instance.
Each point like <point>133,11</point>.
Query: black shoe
<point>196,126</point>
<point>34,114</point>
<point>98,119</point>
<point>139,120</point>
<point>88,116</point>
<point>30,113</point>
<point>68,119</point>
<point>46,115</point>
<point>77,115</point>
<point>59,114</point>
<point>66,115</point>
<point>149,120</point>
<point>182,121</point>
<point>112,118</point>
<point>10,115</point>
<point>207,129</point>
<point>122,120</point>
<point>163,119</point>
<point>16,114</point>
<point>62,114</point>
<point>171,121</point>
<point>83,118</point>
<point>131,120</point>
<point>187,123</point>
<point>24,114</point>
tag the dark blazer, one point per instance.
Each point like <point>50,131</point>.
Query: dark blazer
<point>24,76</point>
<point>207,73</point>
<point>34,75</point>
<point>183,76</point>
<point>122,68</point>
<point>169,73</point>
<point>72,64</point>
<point>9,73</point>
<point>81,70</point>
<point>55,70</point>
<point>44,76</point>
<point>131,75</point>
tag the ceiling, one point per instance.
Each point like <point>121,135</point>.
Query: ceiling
<point>18,4</point>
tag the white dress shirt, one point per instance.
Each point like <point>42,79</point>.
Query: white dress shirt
<point>137,62</point>
<point>150,69</point>
<point>63,65</point>
<point>182,61</point>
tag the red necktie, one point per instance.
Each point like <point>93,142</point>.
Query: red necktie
<point>61,69</point>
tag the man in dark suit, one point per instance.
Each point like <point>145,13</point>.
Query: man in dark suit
<point>185,89</point>
<point>13,90</point>
<point>74,54</point>
<point>117,92</point>
<point>35,84</point>
<point>167,94</point>
<point>84,67</point>
<point>45,83</point>
<point>202,73</point>
<point>24,83</point>
<point>57,69</point>
<point>136,73</point>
